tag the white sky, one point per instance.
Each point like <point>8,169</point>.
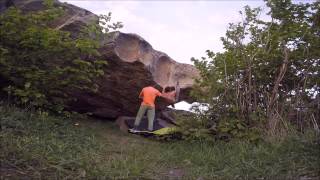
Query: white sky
<point>181,29</point>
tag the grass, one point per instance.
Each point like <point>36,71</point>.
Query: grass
<point>38,146</point>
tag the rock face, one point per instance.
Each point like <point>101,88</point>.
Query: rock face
<point>132,65</point>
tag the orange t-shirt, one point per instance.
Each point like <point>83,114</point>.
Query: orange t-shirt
<point>149,94</point>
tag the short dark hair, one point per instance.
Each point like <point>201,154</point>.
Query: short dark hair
<point>169,89</point>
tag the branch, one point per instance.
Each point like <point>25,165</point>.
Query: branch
<point>279,78</point>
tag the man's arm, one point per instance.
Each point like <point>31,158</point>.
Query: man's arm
<point>169,97</point>
<point>159,94</point>
<point>141,94</point>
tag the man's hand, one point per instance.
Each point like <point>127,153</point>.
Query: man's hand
<point>163,89</point>
<point>141,95</point>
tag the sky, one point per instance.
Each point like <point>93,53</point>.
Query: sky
<point>181,29</point>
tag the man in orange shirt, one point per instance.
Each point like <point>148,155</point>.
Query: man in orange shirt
<point>148,94</point>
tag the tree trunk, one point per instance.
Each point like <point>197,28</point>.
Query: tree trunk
<point>272,119</point>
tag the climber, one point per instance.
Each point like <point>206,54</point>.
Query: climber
<point>148,95</point>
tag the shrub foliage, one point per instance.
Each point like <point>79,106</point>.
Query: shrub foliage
<point>268,75</point>
<point>39,63</point>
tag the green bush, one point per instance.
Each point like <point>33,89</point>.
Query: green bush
<point>199,127</point>
<point>257,82</point>
<point>43,65</point>
<point>193,128</point>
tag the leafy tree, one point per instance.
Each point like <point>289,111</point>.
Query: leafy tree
<point>44,65</point>
<point>269,71</point>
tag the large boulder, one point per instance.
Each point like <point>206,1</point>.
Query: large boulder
<point>132,65</point>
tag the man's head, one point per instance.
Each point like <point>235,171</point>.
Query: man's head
<point>169,89</point>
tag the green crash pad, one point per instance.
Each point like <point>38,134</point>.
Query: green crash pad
<point>159,132</point>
